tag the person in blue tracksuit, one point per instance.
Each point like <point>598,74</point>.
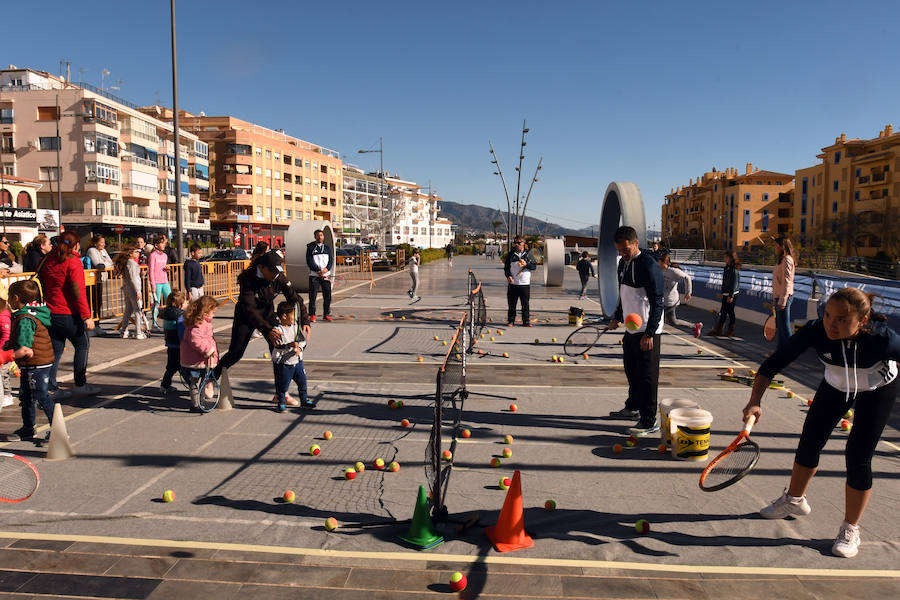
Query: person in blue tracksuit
<point>320,260</point>
<point>861,354</point>
<point>640,292</point>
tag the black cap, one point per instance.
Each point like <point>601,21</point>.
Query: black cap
<point>272,260</point>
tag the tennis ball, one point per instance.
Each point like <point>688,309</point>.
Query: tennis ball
<point>289,496</point>
<point>405,423</point>
<point>394,466</point>
<point>629,443</point>
<point>617,448</point>
<point>846,425</point>
<point>489,332</point>
<point>537,341</point>
<point>466,433</point>
<point>444,343</point>
<point>505,482</point>
<point>699,350</point>
<point>584,356</point>
<point>420,359</point>
<point>315,450</point>
<point>327,435</point>
<point>507,439</point>
<point>436,338</point>
<point>402,318</point>
<point>398,404</point>
<point>809,402</point>
<point>513,408</point>
<point>331,523</point>
<point>168,496</point>
<point>349,473</point>
<point>492,338</point>
<point>265,355</point>
<point>554,358</point>
<point>730,371</point>
<point>642,526</point>
<point>507,453</point>
<point>481,336</point>
<point>506,355</point>
<point>662,448</point>
<point>752,373</point>
<point>458,582</point>
<point>499,332</point>
<point>378,464</point>
<point>447,455</point>
<point>480,351</point>
<point>848,414</point>
<point>562,359</point>
<point>790,394</point>
<point>553,340</point>
<point>632,439</point>
<point>620,342</point>
<point>550,505</point>
<point>359,466</point>
<point>391,403</point>
<point>495,462</point>
<point>633,322</point>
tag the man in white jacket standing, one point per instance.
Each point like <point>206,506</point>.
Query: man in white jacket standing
<point>518,267</point>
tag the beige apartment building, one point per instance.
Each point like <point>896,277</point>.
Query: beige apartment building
<point>263,179</point>
<point>729,210</point>
<point>20,220</point>
<point>852,196</point>
<point>105,164</point>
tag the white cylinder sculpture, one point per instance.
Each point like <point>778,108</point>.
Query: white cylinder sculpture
<point>622,205</point>
<point>554,262</point>
<point>299,234</point>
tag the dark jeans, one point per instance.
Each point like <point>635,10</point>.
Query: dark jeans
<point>727,310</point>
<point>284,375</point>
<point>33,390</point>
<point>97,296</point>
<point>241,332</point>
<point>69,327</point>
<point>314,284</point>
<point>520,293</point>
<point>873,409</point>
<point>173,363</point>
<point>642,371</point>
<point>783,322</point>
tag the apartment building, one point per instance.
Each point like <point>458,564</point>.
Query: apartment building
<point>413,215</point>
<point>263,179</point>
<point>104,163</point>
<point>20,219</point>
<point>729,210</point>
<point>365,203</point>
<point>852,195</point>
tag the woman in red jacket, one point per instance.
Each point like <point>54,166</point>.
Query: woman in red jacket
<point>62,279</point>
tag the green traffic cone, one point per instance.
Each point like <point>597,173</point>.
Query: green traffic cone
<point>421,532</point>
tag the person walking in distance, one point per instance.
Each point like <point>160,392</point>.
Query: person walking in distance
<point>860,353</point>
<point>450,250</point>
<point>414,261</point>
<point>193,273</point>
<point>731,285</point>
<point>585,272</point>
<point>320,260</point>
<point>641,293</point>
<point>518,267</point>
<point>672,276</point>
<point>783,288</point>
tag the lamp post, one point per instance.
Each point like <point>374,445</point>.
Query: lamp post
<point>179,224</point>
<point>385,235</point>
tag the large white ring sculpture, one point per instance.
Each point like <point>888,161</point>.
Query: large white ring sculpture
<point>299,234</point>
<point>622,205</point>
<point>554,262</point>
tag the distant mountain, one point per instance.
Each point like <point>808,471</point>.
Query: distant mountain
<point>478,218</point>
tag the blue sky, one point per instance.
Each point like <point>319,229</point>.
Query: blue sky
<point>650,92</point>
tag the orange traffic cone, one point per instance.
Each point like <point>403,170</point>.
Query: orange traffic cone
<point>509,532</point>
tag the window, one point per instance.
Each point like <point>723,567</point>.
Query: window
<point>268,154</point>
<point>201,149</point>
<point>803,205</point>
<point>268,212</point>
<point>834,206</point>
<point>835,185</point>
<point>49,173</point>
<point>287,178</point>
<point>277,193</point>
<point>855,195</point>
<point>288,197</point>
<point>7,144</point>
<point>268,191</point>
<point>23,200</point>
<point>858,172</point>
<point>324,169</point>
<point>259,189</point>
<point>287,213</point>
<point>277,174</point>
<point>746,197</point>
<point>259,211</point>
<point>259,170</point>
<point>94,110</point>
<point>277,213</point>
<point>746,220</point>
<point>804,185</point>
<point>101,143</point>
<point>9,170</point>
<point>5,197</point>
<point>802,225</point>
<point>46,113</point>
<point>287,159</point>
<point>257,151</point>
<point>50,143</point>
<point>765,197</point>
<point>765,220</point>
<point>298,162</point>
<point>268,172</point>
<point>6,116</point>
<point>237,149</point>
<point>716,187</point>
<point>101,173</point>
<point>277,156</point>
<point>837,158</point>
<point>297,179</point>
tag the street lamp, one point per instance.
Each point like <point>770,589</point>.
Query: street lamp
<point>385,235</point>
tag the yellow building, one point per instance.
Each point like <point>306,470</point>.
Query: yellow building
<point>728,210</point>
<point>852,196</point>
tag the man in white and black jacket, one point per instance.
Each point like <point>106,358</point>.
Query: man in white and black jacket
<point>320,262</point>
<point>640,292</point>
<point>518,267</point>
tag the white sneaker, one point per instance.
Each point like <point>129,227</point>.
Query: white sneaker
<point>140,336</point>
<point>7,401</point>
<point>784,506</point>
<point>126,334</point>
<point>847,542</point>
<point>86,390</point>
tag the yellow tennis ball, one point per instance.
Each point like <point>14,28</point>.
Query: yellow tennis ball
<point>505,482</point>
<point>553,340</point>
<point>168,496</point>
<point>507,439</point>
<point>331,523</point>
<point>327,435</point>
<point>444,343</point>
<point>265,355</point>
<point>642,526</point>
<point>436,338</point>
<point>507,453</point>
<point>492,338</point>
<point>550,505</point>
<point>359,466</point>
<point>289,496</point>
<point>495,462</point>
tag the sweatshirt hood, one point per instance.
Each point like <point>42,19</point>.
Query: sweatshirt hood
<point>39,311</point>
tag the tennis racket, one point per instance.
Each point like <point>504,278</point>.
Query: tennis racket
<point>583,339</point>
<point>733,463</point>
<point>19,478</point>
<point>209,389</point>
<point>769,328</point>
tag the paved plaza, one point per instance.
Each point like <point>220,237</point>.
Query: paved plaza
<point>97,527</point>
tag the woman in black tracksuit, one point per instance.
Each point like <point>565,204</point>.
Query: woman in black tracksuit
<point>731,285</point>
<point>860,358</point>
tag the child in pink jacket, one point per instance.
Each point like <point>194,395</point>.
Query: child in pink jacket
<point>6,398</point>
<point>198,348</point>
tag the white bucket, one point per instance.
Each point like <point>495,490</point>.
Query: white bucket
<point>689,428</point>
<point>666,405</point>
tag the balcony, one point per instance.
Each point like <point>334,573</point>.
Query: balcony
<point>238,179</point>
<point>135,190</point>
<point>136,160</point>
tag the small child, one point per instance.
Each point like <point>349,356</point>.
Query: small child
<point>6,398</point>
<point>198,348</point>
<point>33,352</point>
<point>128,267</point>
<point>193,273</point>
<point>287,358</point>
<point>173,329</point>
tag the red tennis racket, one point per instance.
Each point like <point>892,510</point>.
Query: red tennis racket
<point>19,478</point>
<point>733,463</point>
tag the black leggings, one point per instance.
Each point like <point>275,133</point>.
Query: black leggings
<point>727,310</point>
<point>873,408</point>
<point>241,332</point>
